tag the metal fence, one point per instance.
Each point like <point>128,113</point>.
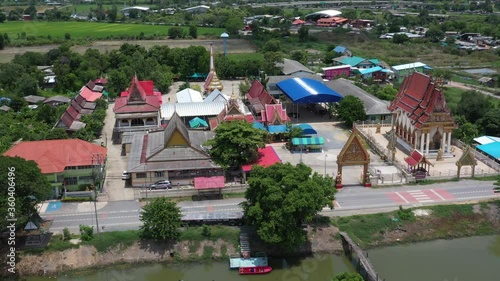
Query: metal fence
<point>479,156</point>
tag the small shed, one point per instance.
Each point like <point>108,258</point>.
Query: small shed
<point>487,81</point>
<point>209,187</point>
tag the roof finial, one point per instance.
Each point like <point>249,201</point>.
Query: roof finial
<point>233,96</point>
<point>212,66</point>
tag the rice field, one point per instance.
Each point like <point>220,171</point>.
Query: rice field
<point>92,30</point>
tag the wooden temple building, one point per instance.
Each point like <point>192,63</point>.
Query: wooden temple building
<point>422,119</point>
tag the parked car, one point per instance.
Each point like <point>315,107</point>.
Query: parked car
<point>125,175</point>
<point>163,184</point>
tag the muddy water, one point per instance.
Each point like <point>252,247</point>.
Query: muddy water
<point>318,268</point>
<point>466,259</point>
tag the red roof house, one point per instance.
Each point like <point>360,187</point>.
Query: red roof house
<point>89,95</point>
<point>274,114</point>
<point>267,157</point>
<point>53,156</point>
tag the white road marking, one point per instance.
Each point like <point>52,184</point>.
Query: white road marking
<point>437,194</point>
<point>337,203</point>
<point>425,201</point>
<point>401,196</point>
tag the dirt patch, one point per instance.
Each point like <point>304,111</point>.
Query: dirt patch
<point>234,46</point>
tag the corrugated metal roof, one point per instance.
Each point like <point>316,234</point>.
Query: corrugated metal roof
<point>492,149</point>
<point>486,139</point>
<point>191,109</point>
<point>188,95</point>
<point>305,90</point>
<point>370,70</point>
<point>408,65</point>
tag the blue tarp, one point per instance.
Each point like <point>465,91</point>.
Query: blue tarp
<point>492,149</point>
<point>197,122</point>
<point>306,90</point>
<point>258,125</point>
<point>339,49</point>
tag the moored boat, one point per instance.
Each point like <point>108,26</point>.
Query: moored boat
<point>255,270</point>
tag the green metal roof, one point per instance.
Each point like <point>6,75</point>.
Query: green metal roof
<point>308,141</point>
<point>352,61</point>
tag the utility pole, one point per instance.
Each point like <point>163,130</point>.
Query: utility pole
<point>96,176</point>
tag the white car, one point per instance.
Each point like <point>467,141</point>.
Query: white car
<point>125,175</point>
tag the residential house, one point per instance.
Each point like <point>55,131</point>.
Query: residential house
<point>357,62</point>
<point>137,109</point>
<point>487,81</point>
<point>49,77</point>
<point>340,50</point>
<point>422,119</point>
<point>376,73</point>
<point>376,109</point>
<point>67,163</point>
<point>403,70</point>
<point>57,100</point>
<point>5,108</point>
<point>33,100</point>
<point>331,22</point>
<point>331,72</point>
<point>175,153</point>
<point>293,68</point>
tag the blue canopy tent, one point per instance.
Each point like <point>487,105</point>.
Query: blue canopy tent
<point>197,122</point>
<point>306,90</point>
<point>306,129</point>
<point>308,141</point>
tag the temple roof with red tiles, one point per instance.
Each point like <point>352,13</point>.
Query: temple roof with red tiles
<point>139,97</point>
<point>419,98</point>
<point>257,91</point>
<point>274,113</point>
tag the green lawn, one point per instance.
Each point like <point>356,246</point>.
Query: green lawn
<point>89,29</point>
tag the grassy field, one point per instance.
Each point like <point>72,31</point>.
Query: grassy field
<point>90,29</point>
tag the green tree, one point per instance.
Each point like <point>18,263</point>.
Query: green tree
<point>161,220</point>
<point>193,31</point>
<point>56,134</point>
<point>273,45</point>
<point>233,25</point>
<point>351,109</point>
<point>26,85</point>
<point>31,188</point>
<point>2,42</point>
<point>473,105</point>
<point>113,13</point>
<point>303,33</point>
<point>270,60</point>
<point>300,56</point>
<point>3,17</point>
<point>400,38</point>
<point>347,276</point>
<point>491,122</point>
<point>235,143</point>
<point>434,34</point>
<point>175,32</point>
<point>282,197</point>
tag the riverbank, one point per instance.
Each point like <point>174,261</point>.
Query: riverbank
<point>404,226</point>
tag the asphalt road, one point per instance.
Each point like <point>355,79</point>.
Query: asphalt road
<point>124,215</point>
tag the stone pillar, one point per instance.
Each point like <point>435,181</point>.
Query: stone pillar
<point>422,141</point>
<point>427,144</point>
<point>449,142</point>
<point>443,142</point>
<point>129,122</point>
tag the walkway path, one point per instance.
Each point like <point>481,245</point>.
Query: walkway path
<point>469,87</point>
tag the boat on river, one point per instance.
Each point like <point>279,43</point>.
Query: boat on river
<point>255,270</point>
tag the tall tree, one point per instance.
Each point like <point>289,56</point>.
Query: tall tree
<point>236,143</point>
<point>303,33</point>
<point>473,105</point>
<point>28,185</point>
<point>161,220</point>
<point>351,109</point>
<point>282,197</point>
<point>491,122</point>
<point>193,31</point>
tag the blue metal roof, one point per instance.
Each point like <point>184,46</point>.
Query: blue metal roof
<point>339,49</point>
<point>306,129</point>
<point>258,125</point>
<point>370,70</point>
<point>276,129</point>
<point>492,149</point>
<point>306,90</point>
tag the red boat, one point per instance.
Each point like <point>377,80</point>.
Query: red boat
<point>255,270</point>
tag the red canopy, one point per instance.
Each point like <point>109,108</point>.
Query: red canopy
<point>209,182</point>
<point>267,157</point>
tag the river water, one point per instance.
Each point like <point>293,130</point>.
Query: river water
<point>466,259</point>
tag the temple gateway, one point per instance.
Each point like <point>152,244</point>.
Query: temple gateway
<point>421,117</point>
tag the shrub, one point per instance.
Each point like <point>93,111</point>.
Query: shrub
<point>405,214</point>
<point>66,234</point>
<point>207,231</point>
<point>86,232</point>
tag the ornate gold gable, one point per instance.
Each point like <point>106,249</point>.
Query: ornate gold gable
<point>353,152</point>
<point>467,159</point>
